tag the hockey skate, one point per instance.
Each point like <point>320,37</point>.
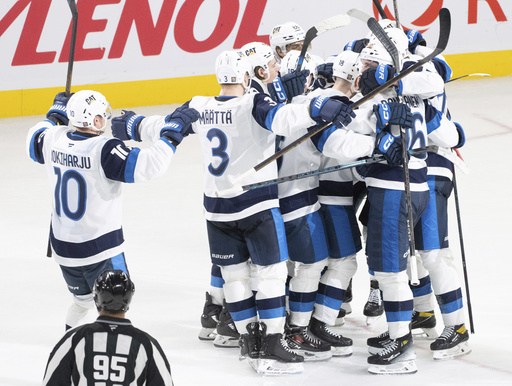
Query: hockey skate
<point>209,319</point>
<point>397,357</point>
<point>377,344</point>
<point>275,357</point>
<point>227,334</point>
<point>341,346</point>
<point>373,309</point>
<point>423,325</point>
<point>250,343</point>
<point>302,343</point>
<point>452,342</point>
<point>347,299</point>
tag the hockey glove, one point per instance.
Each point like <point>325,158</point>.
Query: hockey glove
<point>183,116</point>
<point>415,39</point>
<point>286,87</point>
<point>325,70</point>
<point>462,136</point>
<point>179,124</point>
<point>375,77</point>
<point>390,147</point>
<point>57,113</point>
<point>126,126</point>
<point>392,113</point>
<point>327,109</point>
<point>356,45</point>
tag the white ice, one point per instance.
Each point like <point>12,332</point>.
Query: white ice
<point>167,254</point>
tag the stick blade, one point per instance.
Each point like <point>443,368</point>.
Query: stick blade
<point>358,14</point>
<point>445,23</point>
<point>337,21</point>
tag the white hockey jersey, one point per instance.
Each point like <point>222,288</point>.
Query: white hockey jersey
<point>86,172</point>
<point>236,134</point>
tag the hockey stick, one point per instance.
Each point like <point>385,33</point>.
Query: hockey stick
<point>397,19</point>
<point>462,251</point>
<point>381,11</point>
<point>311,173</point>
<point>465,76</point>
<point>445,26</point>
<point>74,14</point>
<point>333,22</point>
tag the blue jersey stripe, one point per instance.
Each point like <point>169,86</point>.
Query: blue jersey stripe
<point>131,162</point>
<point>87,248</point>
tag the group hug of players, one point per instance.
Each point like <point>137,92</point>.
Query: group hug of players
<point>282,255</point>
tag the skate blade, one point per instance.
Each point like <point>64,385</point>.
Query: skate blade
<point>372,319</point>
<point>397,368</point>
<point>310,356</point>
<point>457,351</point>
<point>341,351</point>
<point>207,334</point>
<point>425,334</point>
<point>273,367</point>
<point>223,341</point>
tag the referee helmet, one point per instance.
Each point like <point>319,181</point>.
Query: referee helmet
<point>113,291</point>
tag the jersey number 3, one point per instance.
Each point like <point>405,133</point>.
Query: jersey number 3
<point>219,151</point>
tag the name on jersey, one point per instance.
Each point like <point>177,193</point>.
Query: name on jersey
<point>411,100</point>
<point>71,160</point>
<point>214,117</point>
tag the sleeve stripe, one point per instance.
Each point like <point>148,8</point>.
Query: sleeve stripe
<point>270,116</point>
<point>131,163</point>
<point>33,141</point>
<point>56,358</point>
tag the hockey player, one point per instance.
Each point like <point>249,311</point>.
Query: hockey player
<point>387,242</point>
<point>305,227</point>
<point>111,349</point>
<point>253,214</point>
<point>86,171</point>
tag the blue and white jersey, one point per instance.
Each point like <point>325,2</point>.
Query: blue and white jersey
<point>414,88</point>
<point>86,172</point>
<point>236,134</point>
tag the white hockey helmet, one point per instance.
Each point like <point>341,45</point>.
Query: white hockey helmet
<point>84,106</point>
<point>259,55</point>
<point>284,34</point>
<point>346,66</point>
<point>399,39</point>
<point>376,52</point>
<point>231,67</point>
<point>291,60</point>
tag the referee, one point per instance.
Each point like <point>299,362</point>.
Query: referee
<point>110,351</point>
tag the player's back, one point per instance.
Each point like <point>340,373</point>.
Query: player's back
<point>233,142</point>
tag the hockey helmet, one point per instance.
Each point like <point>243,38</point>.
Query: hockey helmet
<point>346,66</point>
<point>113,291</point>
<point>84,105</point>
<point>285,34</point>
<point>231,67</point>
<point>259,55</point>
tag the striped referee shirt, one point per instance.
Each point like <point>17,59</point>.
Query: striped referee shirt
<point>108,352</point>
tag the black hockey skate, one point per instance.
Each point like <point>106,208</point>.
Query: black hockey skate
<point>452,342</point>
<point>275,357</point>
<point>378,343</point>
<point>250,343</point>
<point>373,309</point>
<point>209,319</point>
<point>397,357</point>
<point>341,346</point>
<point>227,334</point>
<point>301,342</point>
<point>423,325</point>
<point>340,319</point>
